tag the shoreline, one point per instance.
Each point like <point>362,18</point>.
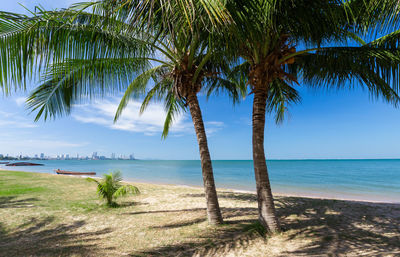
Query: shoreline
<point>321,196</point>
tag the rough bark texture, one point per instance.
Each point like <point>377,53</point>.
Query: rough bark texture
<point>213,210</point>
<point>266,207</point>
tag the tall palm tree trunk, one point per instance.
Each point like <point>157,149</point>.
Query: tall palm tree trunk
<point>213,211</point>
<point>266,207</point>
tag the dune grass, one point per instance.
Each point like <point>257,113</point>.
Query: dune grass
<point>53,215</point>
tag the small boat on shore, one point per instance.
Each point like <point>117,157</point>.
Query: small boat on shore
<point>24,164</point>
<point>64,172</point>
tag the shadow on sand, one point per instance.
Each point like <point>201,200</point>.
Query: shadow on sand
<point>12,202</point>
<point>43,237</point>
<point>334,227</point>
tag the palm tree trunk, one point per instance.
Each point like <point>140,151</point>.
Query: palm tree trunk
<point>213,211</point>
<point>266,207</point>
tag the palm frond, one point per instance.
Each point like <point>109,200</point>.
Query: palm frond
<point>173,107</point>
<point>79,80</point>
<point>136,88</point>
<point>377,69</point>
<point>280,96</point>
<point>30,43</point>
<point>126,189</point>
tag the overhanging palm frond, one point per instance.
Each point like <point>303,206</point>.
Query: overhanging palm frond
<point>372,67</point>
<point>389,41</point>
<point>173,107</point>
<point>378,16</point>
<point>28,44</point>
<point>218,85</point>
<point>136,88</point>
<point>76,81</point>
<point>150,13</point>
<point>280,96</point>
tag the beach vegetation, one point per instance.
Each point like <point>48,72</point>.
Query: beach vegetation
<point>110,188</point>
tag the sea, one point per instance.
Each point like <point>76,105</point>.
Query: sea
<point>361,180</point>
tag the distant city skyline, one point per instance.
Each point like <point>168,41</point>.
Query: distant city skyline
<point>67,156</point>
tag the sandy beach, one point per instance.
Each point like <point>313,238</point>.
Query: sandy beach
<point>47,215</point>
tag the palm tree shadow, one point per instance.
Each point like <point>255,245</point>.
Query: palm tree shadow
<point>334,227</point>
<point>238,231</point>
<point>39,237</point>
<point>339,227</point>
<point>249,197</point>
<point>214,242</point>
<point>11,202</point>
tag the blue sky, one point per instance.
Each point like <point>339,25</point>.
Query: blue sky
<point>335,124</point>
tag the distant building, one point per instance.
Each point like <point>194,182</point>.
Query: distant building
<point>113,156</point>
<point>94,156</point>
<point>36,156</point>
<point>67,157</point>
<point>42,156</point>
<point>1,156</point>
<point>131,157</point>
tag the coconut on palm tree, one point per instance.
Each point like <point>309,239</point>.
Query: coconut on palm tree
<point>158,50</point>
<point>318,44</point>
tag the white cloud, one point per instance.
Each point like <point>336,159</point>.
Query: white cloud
<point>12,120</point>
<point>43,143</point>
<point>215,123</point>
<point>15,144</point>
<point>213,127</point>
<point>20,101</point>
<point>150,122</point>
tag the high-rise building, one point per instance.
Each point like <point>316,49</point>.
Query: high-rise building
<point>131,157</point>
<point>94,155</point>
<point>113,156</point>
<point>67,157</point>
<point>42,156</point>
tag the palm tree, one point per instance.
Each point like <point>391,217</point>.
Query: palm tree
<point>157,49</point>
<point>110,188</point>
<point>318,43</point>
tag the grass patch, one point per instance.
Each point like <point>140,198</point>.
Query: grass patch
<point>257,228</point>
<point>80,206</point>
<point>20,189</point>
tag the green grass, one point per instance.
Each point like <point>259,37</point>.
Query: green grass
<point>20,189</point>
<point>11,184</point>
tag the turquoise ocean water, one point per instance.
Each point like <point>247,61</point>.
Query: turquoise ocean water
<point>374,180</point>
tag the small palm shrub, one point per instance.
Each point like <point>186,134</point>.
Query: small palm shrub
<point>110,188</point>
